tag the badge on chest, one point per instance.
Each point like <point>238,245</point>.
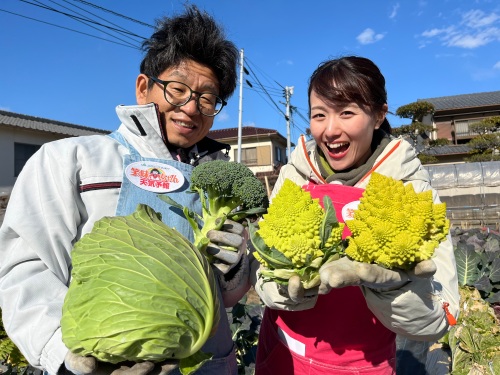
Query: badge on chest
<point>154,176</point>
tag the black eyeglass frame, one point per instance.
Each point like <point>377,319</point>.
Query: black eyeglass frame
<point>197,98</point>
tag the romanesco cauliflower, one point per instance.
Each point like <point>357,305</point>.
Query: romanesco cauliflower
<point>296,236</point>
<point>394,226</point>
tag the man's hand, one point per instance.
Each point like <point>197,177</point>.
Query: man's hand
<point>227,245</point>
<point>79,365</point>
<point>345,272</point>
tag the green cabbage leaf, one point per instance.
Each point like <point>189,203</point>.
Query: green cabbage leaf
<point>140,291</point>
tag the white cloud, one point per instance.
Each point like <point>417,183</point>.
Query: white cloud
<point>497,65</point>
<point>368,36</point>
<point>475,29</point>
<point>286,62</point>
<point>222,117</point>
<point>394,11</point>
<point>477,19</point>
<point>471,40</point>
<point>434,32</point>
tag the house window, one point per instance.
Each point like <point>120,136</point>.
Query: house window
<point>280,155</point>
<point>249,156</point>
<point>462,127</point>
<point>22,152</point>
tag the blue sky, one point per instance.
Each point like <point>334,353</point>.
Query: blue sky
<point>425,49</point>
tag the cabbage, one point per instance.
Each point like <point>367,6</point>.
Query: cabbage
<point>140,291</point>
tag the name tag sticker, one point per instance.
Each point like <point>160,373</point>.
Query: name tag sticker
<point>155,177</point>
<point>348,210</point>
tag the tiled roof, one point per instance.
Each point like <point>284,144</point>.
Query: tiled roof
<point>448,150</point>
<point>464,101</point>
<point>246,131</point>
<point>46,125</point>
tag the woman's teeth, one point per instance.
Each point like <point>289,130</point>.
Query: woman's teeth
<point>336,145</point>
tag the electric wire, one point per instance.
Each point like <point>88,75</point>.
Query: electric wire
<point>115,13</point>
<point>85,21</point>
<point>95,15</point>
<point>66,28</point>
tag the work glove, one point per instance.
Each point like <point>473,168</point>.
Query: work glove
<point>79,365</point>
<point>291,297</point>
<point>345,272</point>
<point>162,368</point>
<point>227,245</point>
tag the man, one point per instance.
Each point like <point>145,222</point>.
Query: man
<point>188,72</point>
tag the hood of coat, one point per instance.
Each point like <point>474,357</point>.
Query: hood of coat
<point>399,161</point>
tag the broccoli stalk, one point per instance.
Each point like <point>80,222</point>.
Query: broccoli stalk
<point>227,190</point>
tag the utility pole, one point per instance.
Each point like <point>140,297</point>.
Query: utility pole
<point>288,94</point>
<point>240,115</point>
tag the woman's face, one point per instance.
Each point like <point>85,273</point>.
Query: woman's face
<point>344,133</point>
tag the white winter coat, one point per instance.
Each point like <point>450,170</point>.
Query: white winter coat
<point>47,214</point>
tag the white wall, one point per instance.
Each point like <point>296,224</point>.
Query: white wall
<point>10,135</point>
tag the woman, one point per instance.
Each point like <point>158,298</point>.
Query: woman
<point>351,326</point>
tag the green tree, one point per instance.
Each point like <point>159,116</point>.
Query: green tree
<point>486,145</point>
<point>416,112</point>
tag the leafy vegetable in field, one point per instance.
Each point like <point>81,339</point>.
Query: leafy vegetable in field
<point>227,190</point>
<point>394,226</point>
<point>139,292</point>
<point>474,341</point>
<point>9,353</point>
<point>296,236</point>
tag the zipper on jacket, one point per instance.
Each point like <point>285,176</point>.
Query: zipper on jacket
<point>100,186</point>
<point>449,317</point>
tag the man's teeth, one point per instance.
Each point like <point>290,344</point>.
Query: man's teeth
<point>336,145</point>
<point>184,125</point>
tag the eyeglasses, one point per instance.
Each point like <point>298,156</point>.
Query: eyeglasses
<point>179,94</point>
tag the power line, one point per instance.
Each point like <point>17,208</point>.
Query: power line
<point>66,28</point>
<point>95,15</point>
<point>76,18</point>
<point>115,13</point>
<point>86,22</point>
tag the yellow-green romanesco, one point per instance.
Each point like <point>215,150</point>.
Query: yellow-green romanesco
<point>298,235</point>
<point>394,226</point>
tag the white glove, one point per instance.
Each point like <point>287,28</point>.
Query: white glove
<point>291,298</point>
<point>79,365</point>
<point>345,272</point>
<point>227,245</point>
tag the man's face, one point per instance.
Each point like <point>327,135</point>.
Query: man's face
<point>184,126</point>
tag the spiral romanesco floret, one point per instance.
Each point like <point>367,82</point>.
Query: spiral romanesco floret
<point>294,235</point>
<point>394,226</point>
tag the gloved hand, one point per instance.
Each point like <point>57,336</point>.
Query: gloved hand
<point>276,296</point>
<point>162,368</point>
<point>79,365</point>
<point>233,235</point>
<point>345,272</point>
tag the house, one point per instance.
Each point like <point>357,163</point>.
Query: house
<point>21,136</point>
<point>451,120</point>
<point>262,150</point>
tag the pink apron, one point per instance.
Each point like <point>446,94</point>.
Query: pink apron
<point>340,335</point>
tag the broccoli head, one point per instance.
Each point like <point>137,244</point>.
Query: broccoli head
<point>227,190</point>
